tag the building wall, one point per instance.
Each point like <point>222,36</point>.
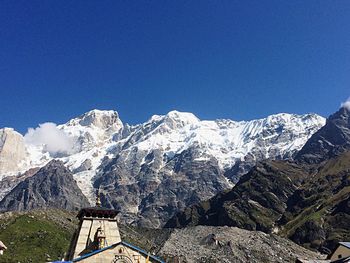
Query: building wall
<point>341,250</point>
<point>120,253</point>
<point>87,232</point>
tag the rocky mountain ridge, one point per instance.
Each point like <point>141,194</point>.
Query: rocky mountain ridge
<point>151,170</point>
<point>52,186</point>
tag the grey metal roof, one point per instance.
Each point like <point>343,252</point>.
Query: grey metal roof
<point>345,244</point>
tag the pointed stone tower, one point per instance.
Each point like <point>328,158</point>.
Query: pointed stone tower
<point>98,239</point>
<point>98,228</point>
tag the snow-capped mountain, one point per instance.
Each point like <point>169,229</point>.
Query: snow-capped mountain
<point>228,141</point>
<point>160,166</point>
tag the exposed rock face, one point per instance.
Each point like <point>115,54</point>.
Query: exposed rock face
<point>306,201</point>
<point>52,186</point>
<point>155,193</point>
<point>12,150</point>
<point>10,182</point>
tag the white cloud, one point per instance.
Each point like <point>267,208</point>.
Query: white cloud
<point>346,104</point>
<point>54,140</point>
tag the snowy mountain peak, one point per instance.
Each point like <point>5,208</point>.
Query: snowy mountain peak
<point>175,116</point>
<point>103,119</point>
<point>186,117</point>
<point>177,120</point>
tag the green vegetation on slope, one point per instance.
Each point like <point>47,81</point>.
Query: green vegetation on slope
<point>34,237</point>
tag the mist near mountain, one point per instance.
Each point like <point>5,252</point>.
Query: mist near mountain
<point>54,139</point>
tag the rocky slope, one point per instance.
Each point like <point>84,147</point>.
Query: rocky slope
<point>52,186</point>
<point>151,170</point>
<point>231,244</point>
<point>306,200</point>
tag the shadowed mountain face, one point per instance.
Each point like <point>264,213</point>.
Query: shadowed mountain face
<point>330,141</point>
<point>307,201</point>
<point>52,186</point>
<point>255,203</point>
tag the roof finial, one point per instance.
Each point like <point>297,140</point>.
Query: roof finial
<point>98,198</point>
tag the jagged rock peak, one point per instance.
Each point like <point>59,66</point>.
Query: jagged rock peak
<point>55,164</point>
<point>102,119</point>
<point>342,116</point>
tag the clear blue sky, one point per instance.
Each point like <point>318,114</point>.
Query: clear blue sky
<point>217,59</point>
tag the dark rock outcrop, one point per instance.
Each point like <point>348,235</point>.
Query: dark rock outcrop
<point>52,186</point>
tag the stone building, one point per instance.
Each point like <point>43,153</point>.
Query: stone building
<point>98,240</point>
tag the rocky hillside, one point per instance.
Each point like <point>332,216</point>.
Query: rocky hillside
<point>42,235</point>
<point>52,186</point>
<point>307,201</point>
<point>231,244</point>
<point>152,170</point>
